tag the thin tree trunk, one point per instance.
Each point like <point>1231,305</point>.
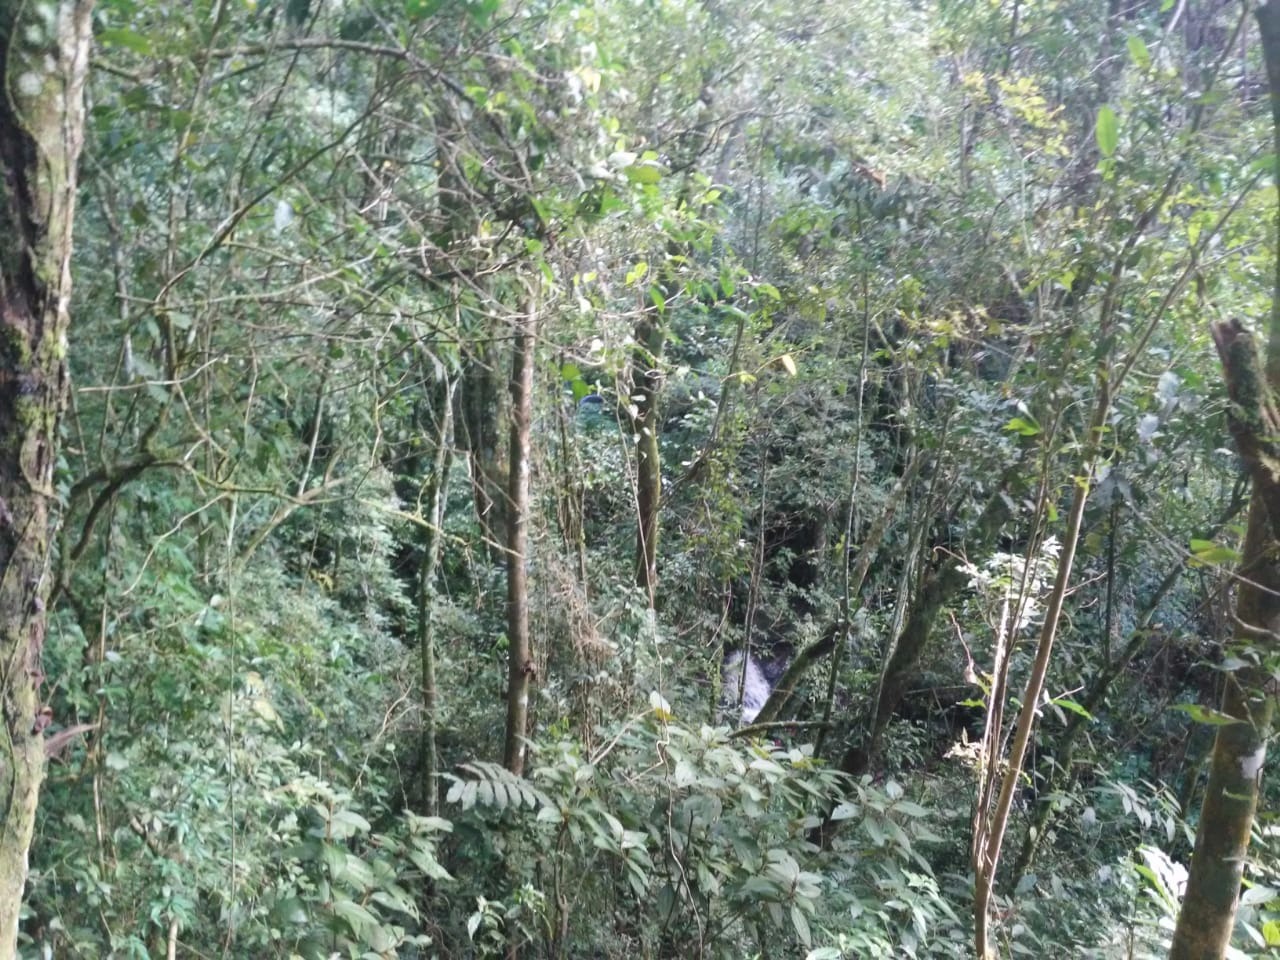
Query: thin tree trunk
<point>44,59</point>
<point>1063,749</point>
<point>436,493</point>
<point>990,834</point>
<point>520,655</point>
<point>480,407</point>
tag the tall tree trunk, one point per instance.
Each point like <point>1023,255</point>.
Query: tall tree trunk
<point>646,381</point>
<point>44,59</point>
<point>519,650</point>
<point>1235,772</point>
<point>436,493</point>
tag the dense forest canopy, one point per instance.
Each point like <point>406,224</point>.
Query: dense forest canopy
<point>638,478</point>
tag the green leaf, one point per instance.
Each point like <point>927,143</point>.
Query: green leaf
<point>396,900</point>
<point>1068,704</point>
<point>347,823</point>
<point>1205,715</point>
<point>1256,895</point>
<point>1023,427</point>
<point>910,809</point>
<point>1209,554</point>
<point>727,286</point>
<point>643,173</point>
<point>658,300</point>
<point>357,917</point>
<point>1107,130</point>
<point>128,39</point>
<point>802,925</point>
<point>420,9</point>
<point>428,864</point>
<point>1139,53</point>
<point>289,911</point>
<point>482,11</point>
<point>845,811</point>
<point>824,953</point>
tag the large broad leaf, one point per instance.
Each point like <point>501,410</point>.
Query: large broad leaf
<point>1208,553</point>
<point>801,925</point>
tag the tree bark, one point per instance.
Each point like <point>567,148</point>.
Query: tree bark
<point>481,433</point>
<point>646,382</point>
<point>521,666</point>
<point>1235,773</point>
<point>44,60</point>
<point>436,493</point>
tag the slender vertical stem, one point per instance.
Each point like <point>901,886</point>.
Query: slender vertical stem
<point>437,493</point>
<point>520,665</point>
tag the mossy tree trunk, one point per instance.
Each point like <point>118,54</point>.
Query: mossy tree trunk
<point>1235,773</point>
<point>44,58</point>
<point>942,582</point>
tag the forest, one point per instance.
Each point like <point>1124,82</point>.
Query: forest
<point>647,479</point>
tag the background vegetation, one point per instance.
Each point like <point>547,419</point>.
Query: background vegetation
<point>829,310</point>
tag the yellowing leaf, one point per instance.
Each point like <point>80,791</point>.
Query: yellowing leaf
<point>661,709</point>
<point>1271,933</point>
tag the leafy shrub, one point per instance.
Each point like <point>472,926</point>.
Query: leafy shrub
<point>668,836</point>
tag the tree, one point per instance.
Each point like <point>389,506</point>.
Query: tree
<point>44,60</point>
<point>1230,800</point>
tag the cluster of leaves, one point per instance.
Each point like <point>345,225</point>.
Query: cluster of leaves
<point>668,836</point>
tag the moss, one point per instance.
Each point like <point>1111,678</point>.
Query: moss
<point>15,351</point>
<point>28,413</point>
